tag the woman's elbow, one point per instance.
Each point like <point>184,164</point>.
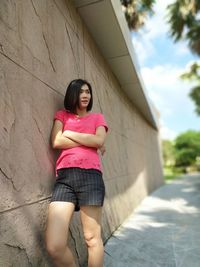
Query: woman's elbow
<point>55,144</point>
<point>99,143</point>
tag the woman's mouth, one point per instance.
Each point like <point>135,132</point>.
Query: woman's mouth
<point>84,101</point>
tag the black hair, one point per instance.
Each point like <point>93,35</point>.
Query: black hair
<point>71,100</point>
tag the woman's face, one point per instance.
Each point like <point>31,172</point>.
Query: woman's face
<point>84,97</point>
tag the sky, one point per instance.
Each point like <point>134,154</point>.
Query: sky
<point>161,62</point>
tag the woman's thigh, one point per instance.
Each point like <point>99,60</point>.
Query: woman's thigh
<point>59,216</point>
<point>91,220</point>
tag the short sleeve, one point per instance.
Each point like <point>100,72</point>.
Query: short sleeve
<point>59,115</point>
<point>101,121</point>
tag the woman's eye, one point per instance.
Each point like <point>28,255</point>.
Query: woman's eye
<point>87,92</point>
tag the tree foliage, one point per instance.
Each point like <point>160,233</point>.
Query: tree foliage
<point>136,12</point>
<point>184,22</point>
<point>194,75</point>
<point>187,148</point>
<point>168,153</point>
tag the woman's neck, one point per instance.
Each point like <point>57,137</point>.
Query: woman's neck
<point>81,112</point>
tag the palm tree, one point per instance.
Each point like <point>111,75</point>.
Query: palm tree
<point>184,22</point>
<point>136,12</point>
<point>194,75</point>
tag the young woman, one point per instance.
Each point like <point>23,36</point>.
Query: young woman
<point>79,184</point>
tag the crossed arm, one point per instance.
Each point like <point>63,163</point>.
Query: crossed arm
<point>69,139</point>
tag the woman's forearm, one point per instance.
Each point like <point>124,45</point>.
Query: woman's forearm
<point>90,140</point>
<point>61,142</point>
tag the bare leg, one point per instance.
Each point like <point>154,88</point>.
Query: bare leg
<point>59,217</point>
<point>91,221</point>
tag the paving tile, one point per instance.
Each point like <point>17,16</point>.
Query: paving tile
<point>164,231</point>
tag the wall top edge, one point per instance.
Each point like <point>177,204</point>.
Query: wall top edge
<point>107,25</point>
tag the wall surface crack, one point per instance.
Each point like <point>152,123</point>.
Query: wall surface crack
<point>20,248</point>
<point>44,141</point>
<point>6,24</point>
<point>8,178</point>
<point>71,45</point>
<point>48,50</point>
<point>22,67</point>
<point>43,35</point>
<point>39,130</point>
<point>1,48</point>
<point>36,11</point>
<point>26,204</point>
<point>98,98</point>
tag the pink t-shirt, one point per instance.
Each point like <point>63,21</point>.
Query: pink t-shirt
<point>81,156</point>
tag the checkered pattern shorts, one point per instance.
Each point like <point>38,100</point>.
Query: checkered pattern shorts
<point>79,186</point>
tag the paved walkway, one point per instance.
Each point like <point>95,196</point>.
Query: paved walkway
<point>164,231</point>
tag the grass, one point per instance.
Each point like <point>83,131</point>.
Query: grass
<point>171,173</point>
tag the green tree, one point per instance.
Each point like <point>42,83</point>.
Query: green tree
<point>168,153</point>
<point>136,12</point>
<point>184,22</point>
<point>194,75</point>
<point>187,147</point>
<point>183,18</point>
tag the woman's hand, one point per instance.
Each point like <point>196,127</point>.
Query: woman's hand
<point>67,133</point>
<point>60,141</point>
<point>90,140</point>
<point>102,149</point>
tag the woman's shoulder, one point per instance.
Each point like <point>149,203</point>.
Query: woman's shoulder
<point>99,120</point>
<point>61,114</point>
<point>96,114</point>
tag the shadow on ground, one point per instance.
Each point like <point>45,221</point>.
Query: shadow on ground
<point>163,231</point>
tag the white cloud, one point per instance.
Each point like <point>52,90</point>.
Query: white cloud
<point>169,94</point>
<point>158,24</point>
<point>167,134</point>
<point>167,91</point>
<point>143,47</point>
<point>182,49</point>
<point>155,27</point>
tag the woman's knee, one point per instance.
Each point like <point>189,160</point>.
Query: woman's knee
<point>54,247</point>
<point>93,239</point>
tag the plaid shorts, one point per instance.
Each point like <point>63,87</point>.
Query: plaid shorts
<point>80,186</point>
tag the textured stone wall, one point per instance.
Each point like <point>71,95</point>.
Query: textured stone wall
<point>43,46</point>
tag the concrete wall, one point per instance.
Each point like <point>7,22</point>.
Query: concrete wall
<point>43,46</point>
